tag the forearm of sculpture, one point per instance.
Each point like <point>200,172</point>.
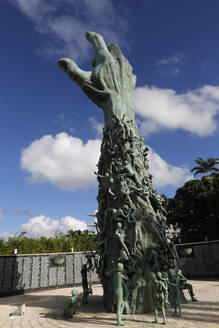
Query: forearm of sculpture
<point>171,284</point>
<point>111,192</point>
<point>125,247</point>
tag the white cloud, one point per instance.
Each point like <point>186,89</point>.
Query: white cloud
<point>62,160</point>
<point>45,226</point>
<point>194,111</point>
<point>165,174</point>
<point>65,22</point>
<point>169,65</point>
<point>3,211</point>
<point>70,223</point>
<point>96,126</point>
<point>41,226</point>
<point>5,235</point>
<point>171,60</point>
<point>67,163</point>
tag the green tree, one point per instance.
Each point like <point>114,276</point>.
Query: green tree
<point>71,233</point>
<point>3,246</point>
<point>81,241</point>
<point>205,166</point>
<point>195,209</point>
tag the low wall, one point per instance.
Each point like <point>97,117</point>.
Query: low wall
<point>35,271</point>
<point>203,260</point>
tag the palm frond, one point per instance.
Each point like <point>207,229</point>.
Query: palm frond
<point>197,168</point>
<point>215,169</point>
<point>205,166</point>
<point>198,172</point>
<point>199,160</point>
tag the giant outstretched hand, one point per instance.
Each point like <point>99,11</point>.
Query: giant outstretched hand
<point>111,84</point>
<point>92,83</point>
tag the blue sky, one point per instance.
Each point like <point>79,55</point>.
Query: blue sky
<point>50,132</point>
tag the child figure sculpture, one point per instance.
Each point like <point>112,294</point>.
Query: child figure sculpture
<point>158,295</point>
<point>71,305</point>
<point>164,279</point>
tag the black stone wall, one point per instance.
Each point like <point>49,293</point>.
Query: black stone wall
<point>203,260</point>
<point>19,273</point>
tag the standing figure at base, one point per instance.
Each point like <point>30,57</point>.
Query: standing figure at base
<point>118,276</point>
<point>86,290</point>
<point>175,291</point>
<point>158,295</point>
<point>164,279</point>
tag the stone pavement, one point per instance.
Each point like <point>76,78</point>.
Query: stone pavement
<point>44,309</point>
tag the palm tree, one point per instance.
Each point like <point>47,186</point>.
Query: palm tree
<point>205,166</point>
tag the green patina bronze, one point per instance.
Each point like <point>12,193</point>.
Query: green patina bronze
<point>131,218</point>
<point>72,305</point>
<point>87,290</point>
<point>185,285</point>
<point>19,311</point>
<point>175,291</point>
<point>159,291</point>
<point>58,260</point>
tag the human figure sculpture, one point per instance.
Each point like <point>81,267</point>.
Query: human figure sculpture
<point>162,276</point>
<point>122,190</point>
<point>158,295</point>
<point>86,290</point>
<point>119,236</point>
<point>108,183</point>
<point>72,304</point>
<point>175,295</point>
<point>185,285</point>
<point>128,218</point>
<point>109,217</point>
<point>136,287</point>
<point>127,170</point>
<point>118,277</point>
<point>90,261</point>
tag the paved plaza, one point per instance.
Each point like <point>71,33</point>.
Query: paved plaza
<point>44,309</point>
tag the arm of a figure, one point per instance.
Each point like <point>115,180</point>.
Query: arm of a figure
<point>119,237</point>
<point>183,278</point>
<point>171,284</point>
<point>125,247</point>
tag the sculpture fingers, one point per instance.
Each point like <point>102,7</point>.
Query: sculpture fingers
<point>74,72</point>
<point>98,43</point>
<point>67,64</point>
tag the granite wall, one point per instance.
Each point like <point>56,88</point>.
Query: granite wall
<point>203,260</point>
<point>27,272</point>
